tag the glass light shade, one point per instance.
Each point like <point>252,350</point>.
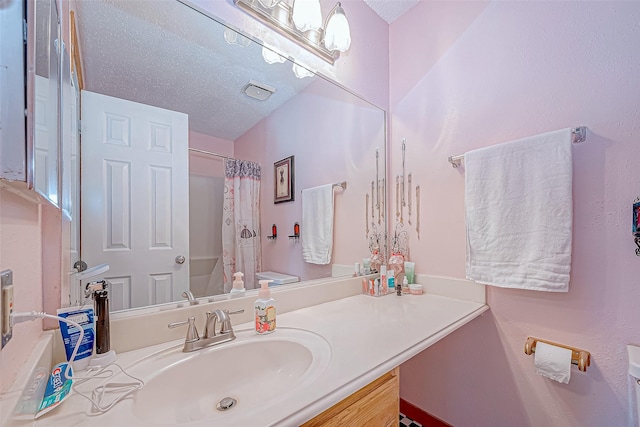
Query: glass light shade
<point>230,36</point>
<point>307,15</point>
<point>271,57</point>
<point>243,41</point>
<point>301,72</point>
<point>337,35</point>
<point>269,3</point>
<point>233,37</point>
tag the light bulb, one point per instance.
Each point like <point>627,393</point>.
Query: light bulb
<point>307,15</point>
<point>337,35</point>
<point>301,72</point>
<point>271,57</point>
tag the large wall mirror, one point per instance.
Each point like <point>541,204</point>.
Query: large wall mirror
<point>186,168</point>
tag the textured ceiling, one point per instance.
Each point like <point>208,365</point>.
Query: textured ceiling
<point>390,10</point>
<point>170,56</point>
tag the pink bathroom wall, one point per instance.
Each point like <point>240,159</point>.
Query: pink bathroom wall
<point>204,164</point>
<point>504,71</point>
<point>20,251</point>
<point>321,116</point>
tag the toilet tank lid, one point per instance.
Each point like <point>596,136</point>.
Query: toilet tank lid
<point>634,360</point>
<point>277,278</point>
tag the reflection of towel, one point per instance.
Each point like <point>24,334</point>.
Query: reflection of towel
<point>317,224</point>
<point>518,207</point>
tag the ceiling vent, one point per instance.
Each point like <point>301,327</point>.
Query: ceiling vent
<point>259,91</point>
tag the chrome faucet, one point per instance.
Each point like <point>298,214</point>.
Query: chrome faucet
<point>193,341</point>
<point>221,316</point>
<point>189,296</point>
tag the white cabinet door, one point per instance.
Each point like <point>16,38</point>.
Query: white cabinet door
<point>135,198</point>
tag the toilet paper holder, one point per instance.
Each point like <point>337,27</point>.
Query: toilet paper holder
<point>579,357</point>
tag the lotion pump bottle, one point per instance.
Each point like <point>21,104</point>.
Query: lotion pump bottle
<point>238,284</point>
<point>265,308</point>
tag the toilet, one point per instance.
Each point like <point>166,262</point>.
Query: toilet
<point>277,278</point>
<point>634,371</point>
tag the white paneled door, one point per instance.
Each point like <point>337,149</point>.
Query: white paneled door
<point>135,198</point>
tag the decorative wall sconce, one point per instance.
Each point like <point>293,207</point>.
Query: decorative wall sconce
<point>301,22</point>
<point>296,233</point>
<point>274,233</point>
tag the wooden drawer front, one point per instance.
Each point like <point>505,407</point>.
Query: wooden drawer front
<point>374,405</point>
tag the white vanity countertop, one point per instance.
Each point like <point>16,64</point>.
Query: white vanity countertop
<point>368,337</point>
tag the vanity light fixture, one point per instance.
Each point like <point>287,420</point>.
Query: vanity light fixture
<point>270,56</point>
<point>337,34</point>
<point>301,72</point>
<point>232,37</point>
<point>268,3</point>
<point>301,22</point>
<point>307,15</point>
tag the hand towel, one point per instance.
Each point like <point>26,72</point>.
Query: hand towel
<point>518,212</point>
<point>317,224</point>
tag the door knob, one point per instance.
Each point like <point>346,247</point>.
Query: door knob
<point>180,259</point>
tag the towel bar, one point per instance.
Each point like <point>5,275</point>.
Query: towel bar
<point>578,135</point>
<point>342,184</point>
<point>579,357</point>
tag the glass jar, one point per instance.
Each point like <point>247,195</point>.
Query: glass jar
<point>376,261</point>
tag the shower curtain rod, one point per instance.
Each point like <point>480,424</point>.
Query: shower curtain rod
<point>578,135</point>
<point>210,153</point>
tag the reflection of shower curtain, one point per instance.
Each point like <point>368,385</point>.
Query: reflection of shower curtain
<point>241,221</point>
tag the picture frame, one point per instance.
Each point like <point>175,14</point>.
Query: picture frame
<point>636,219</point>
<point>284,180</point>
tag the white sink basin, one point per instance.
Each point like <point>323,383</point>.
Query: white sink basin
<point>258,371</point>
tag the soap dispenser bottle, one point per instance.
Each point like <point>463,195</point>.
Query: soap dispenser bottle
<point>265,307</point>
<point>238,284</point>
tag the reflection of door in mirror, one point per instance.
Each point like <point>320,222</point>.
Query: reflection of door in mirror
<point>135,198</point>
<point>46,114</point>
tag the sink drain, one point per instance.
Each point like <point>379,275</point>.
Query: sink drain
<point>226,403</point>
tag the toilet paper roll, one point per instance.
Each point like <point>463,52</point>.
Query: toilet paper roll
<point>553,362</point>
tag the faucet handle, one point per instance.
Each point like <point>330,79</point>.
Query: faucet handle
<point>192,331</point>
<point>226,325</point>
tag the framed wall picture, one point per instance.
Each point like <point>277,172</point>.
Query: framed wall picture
<point>284,180</point>
<point>635,229</point>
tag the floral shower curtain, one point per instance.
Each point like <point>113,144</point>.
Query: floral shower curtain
<point>241,222</point>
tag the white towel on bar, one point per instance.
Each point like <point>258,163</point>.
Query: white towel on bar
<point>317,224</point>
<point>518,211</point>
